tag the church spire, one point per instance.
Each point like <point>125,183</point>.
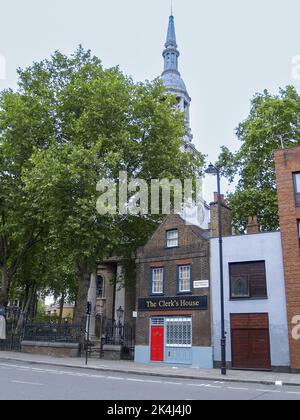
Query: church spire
<point>171,36</point>
<point>171,53</point>
<point>171,77</point>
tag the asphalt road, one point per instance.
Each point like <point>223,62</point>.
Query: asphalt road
<point>25,381</point>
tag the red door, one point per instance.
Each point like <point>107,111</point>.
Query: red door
<point>157,344</point>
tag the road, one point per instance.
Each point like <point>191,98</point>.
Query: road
<point>25,381</point>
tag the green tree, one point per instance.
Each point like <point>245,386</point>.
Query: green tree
<point>98,123</point>
<point>274,122</point>
<point>23,122</point>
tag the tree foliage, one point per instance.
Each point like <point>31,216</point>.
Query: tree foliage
<point>274,122</point>
<point>71,124</point>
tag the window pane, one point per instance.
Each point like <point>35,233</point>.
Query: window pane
<point>185,279</point>
<point>157,280</point>
<point>297,188</point>
<point>179,332</point>
<point>172,238</point>
<point>248,280</point>
<point>297,183</point>
<point>100,287</point>
<point>240,286</point>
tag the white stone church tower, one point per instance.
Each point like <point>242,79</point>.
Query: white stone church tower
<point>173,81</point>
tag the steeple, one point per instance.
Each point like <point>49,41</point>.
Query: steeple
<point>171,53</point>
<point>172,79</point>
<point>171,36</point>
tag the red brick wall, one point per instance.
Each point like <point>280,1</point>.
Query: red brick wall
<point>288,162</point>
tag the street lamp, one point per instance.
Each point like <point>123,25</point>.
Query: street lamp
<point>213,170</point>
<point>120,313</point>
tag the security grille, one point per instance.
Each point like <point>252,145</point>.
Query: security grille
<point>179,332</point>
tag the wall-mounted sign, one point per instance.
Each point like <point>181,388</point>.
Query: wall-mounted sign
<point>134,314</point>
<point>194,303</point>
<point>201,284</point>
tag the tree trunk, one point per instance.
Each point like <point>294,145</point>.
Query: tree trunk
<point>61,307</point>
<point>84,274</point>
<point>5,286</point>
<point>27,305</point>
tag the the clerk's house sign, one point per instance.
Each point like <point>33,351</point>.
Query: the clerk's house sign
<point>175,304</point>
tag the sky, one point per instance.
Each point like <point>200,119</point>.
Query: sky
<point>229,50</point>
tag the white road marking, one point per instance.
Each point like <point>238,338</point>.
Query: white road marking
<point>26,383</point>
<point>135,380</point>
<point>293,393</point>
<point>115,378</point>
<point>237,389</point>
<point>172,383</point>
<point>268,391</point>
<point>197,385</point>
<point>153,382</point>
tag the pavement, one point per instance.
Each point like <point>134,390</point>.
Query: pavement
<point>158,370</point>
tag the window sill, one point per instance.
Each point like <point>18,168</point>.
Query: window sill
<point>184,293</point>
<point>248,298</point>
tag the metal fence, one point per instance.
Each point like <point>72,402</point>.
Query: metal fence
<point>54,333</point>
<point>118,334</point>
<point>13,337</point>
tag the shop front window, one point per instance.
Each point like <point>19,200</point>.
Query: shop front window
<point>179,332</point>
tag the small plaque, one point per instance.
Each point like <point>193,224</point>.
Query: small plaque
<point>134,314</point>
<point>201,284</point>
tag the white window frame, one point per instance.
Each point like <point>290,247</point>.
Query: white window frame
<point>157,280</point>
<point>172,237</point>
<point>181,279</point>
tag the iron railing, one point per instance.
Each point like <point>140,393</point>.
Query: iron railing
<point>13,338</point>
<point>117,334</point>
<point>54,333</point>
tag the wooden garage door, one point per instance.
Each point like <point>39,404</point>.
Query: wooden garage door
<point>250,341</point>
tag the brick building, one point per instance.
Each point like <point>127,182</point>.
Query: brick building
<point>288,187</point>
<point>173,296</point>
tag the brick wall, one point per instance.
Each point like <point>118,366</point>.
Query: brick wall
<point>288,162</point>
<point>192,249</point>
<point>225,217</point>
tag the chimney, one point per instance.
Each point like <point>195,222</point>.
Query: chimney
<point>253,225</point>
<point>225,217</point>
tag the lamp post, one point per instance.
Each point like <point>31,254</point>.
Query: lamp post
<point>88,313</point>
<point>212,170</point>
<point>120,313</point>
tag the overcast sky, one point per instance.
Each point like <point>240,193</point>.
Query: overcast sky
<point>229,49</point>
